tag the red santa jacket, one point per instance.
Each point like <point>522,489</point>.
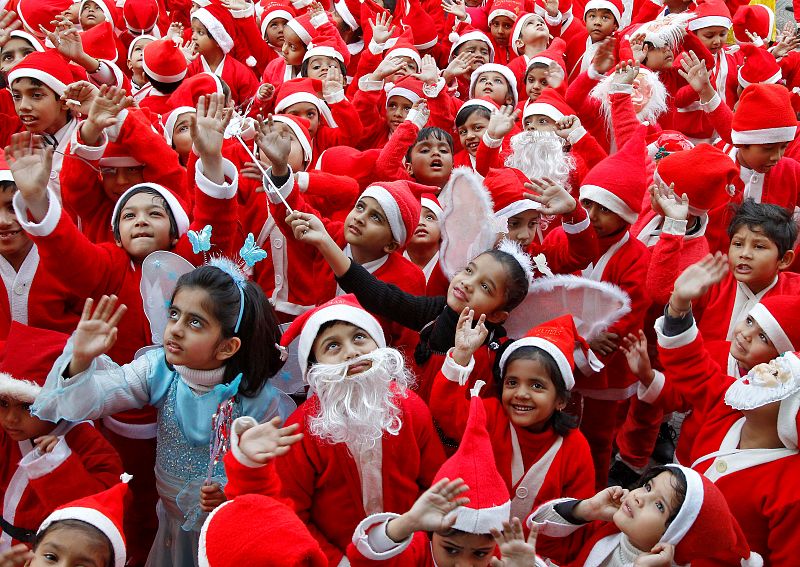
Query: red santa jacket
<point>238,76</point>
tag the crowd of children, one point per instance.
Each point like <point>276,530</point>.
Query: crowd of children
<point>399,282</point>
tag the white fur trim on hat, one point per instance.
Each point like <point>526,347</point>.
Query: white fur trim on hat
<point>770,81</point>
<point>481,520</point>
<point>20,390</point>
<point>30,38</point>
<point>406,52</point>
<point>602,5</point>
<point>517,31</point>
<point>496,68</point>
<point>764,135</point>
<point>610,201</point>
<point>133,43</point>
<point>299,134</point>
<point>479,102</point>
<point>709,21</point>
<point>20,72</point>
<point>215,29</point>
<point>549,348</point>
<point>427,44</point>
<point>202,554</point>
<point>119,161</point>
<point>690,509</point>
<point>310,98</point>
<point>178,212</point>
<point>162,78</point>
<point>772,328</point>
<point>301,32</point>
<point>95,518</point>
<point>169,125</point>
<point>339,312</point>
<point>474,35</point>
<point>507,13</point>
<point>319,50</point>
<point>390,209</point>
<point>544,109</point>
<point>433,206</point>
<point>403,92</point>
<point>516,208</point>
<point>347,17</point>
<point>273,15</point>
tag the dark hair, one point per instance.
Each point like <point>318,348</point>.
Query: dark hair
<point>517,280</point>
<point>679,484</point>
<point>165,88</point>
<point>173,226</point>
<point>531,68</point>
<point>322,328</point>
<point>390,5</point>
<point>6,185</point>
<point>431,132</point>
<point>304,66</point>
<point>258,359</point>
<point>88,529</point>
<point>450,532</point>
<point>560,421</point>
<point>775,222</point>
<point>468,110</point>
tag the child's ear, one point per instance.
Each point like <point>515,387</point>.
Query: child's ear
<point>498,317</point>
<point>228,348</point>
<point>409,169</point>
<point>519,44</point>
<point>787,260</point>
<point>391,247</point>
<point>118,243</point>
<point>174,242</point>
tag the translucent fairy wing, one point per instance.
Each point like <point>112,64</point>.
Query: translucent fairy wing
<point>160,273</point>
<point>468,224</point>
<point>594,305</point>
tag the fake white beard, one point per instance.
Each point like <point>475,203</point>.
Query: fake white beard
<point>541,154</point>
<point>358,409</point>
<point>655,107</point>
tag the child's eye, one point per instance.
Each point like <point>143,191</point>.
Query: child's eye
<point>763,338</point>
<point>647,486</point>
<point>332,346</point>
<point>173,314</point>
<point>485,287</point>
<point>196,323</point>
<point>480,554</point>
<point>661,507</point>
<point>451,550</point>
<point>3,403</point>
<point>428,218</point>
<point>128,216</point>
<point>511,383</point>
<point>468,270</point>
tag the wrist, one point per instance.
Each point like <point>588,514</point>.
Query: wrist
<point>462,356</point>
<point>90,133</point>
<point>678,305</point>
<point>707,93</point>
<point>400,529</point>
<point>280,169</point>
<point>646,378</point>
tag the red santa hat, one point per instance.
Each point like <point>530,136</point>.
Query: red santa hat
<point>282,540</point>
<point>350,12</point>
<point>759,66</point>
<point>764,115</point>
<point>470,34</point>
<point>299,127</point>
<point>431,202</point>
<point>404,47</point>
<point>410,88</point>
<point>399,204</point>
<point>619,181</point>
<point>164,62</point>
<point>710,13</point>
<point>100,42</point>
<point>136,40</point>
<point>755,18</point>
<point>667,143</point>
<point>507,74</point>
<point>704,173</point>
<point>668,31</point>
<point>191,89</point>
<point>5,170</point>
<point>776,315</point>
<point>302,26</point>
<point>271,10</point>
<point>508,8</point>
<point>28,357</point>
<point>421,24</point>
<point>348,161</point>
<point>329,45</point>
<point>47,67</point>
<point>29,37</point>
<point>35,14</point>
<point>614,6</point>
<point>174,205</point>
<point>118,155</point>
<point>489,503</point>
<point>140,15</point>
<point>103,511</point>
<point>109,10</point>
<point>704,527</point>
<point>303,90</point>
<point>171,118</point>
<point>343,308</point>
<point>553,57</point>
<point>520,24</point>
<point>220,25</point>
<point>506,187</point>
<point>550,103</point>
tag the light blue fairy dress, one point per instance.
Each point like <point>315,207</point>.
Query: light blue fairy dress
<point>186,400</point>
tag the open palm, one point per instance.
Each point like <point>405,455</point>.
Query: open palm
<point>267,441</point>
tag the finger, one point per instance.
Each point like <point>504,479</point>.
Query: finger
<point>118,314</point>
<point>87,309</point>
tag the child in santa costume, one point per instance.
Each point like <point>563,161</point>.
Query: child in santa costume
<point>454,521</point>
<point>423,246</point>
<point>601,18</point>
<point>135,64</point>
<point>19,45</point>
<point>471,49</point>
<point>674,516</point>
<point>540,63</point>
<point>537,450</point>
<point>44,464</point>
<point>164,67</point>
<point>368,443</point>
<point>494,81</point>
<point>274,15</point>
<point>613,200</point>
<point>502,19</point>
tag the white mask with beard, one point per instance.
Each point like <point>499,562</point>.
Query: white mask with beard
<point>541,154</point>
<point>358,409</point>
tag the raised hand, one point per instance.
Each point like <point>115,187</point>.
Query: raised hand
<point>787,42</point>
<point>605,343</point>
<point>553,198</point>
<point>661,555</point>
<point>387,68</point>
<point>671,205</point>
<point>429,72</point>
<point>603,59</point>
<point>626,72</point>
<point>307,228</point>
<point>30,162</point>
<point>235,5</point>
<point>460,65</point>
<point>468,338</point>
<point>333,82</point>
<point>635,349</point>
<point>175,32</point>
<point>265,441</point>
<point>431,511</point>
<point>421,106</point>
<point>266,91</point>
<point>502,122</point>
<point>208,129</point>
<point>567,125</point>
<point>79,96</point>
<point>211,496</point>
<point>274,143</point>
<point>551,7</point>
<point>456,7</point>
<point>382,28</point>
<point>96,332</point>
<point>315,9</point>
<point>602,506</point>
<point>639,47</point>
<point>189,50</point>
<point>514,550</point>
<point>17,556</point>
<point>8,23</point>
<point>696,280</point>
<point>693,70</point>
<point>66,38</point>
<point>46,443</point>
<point>107,105</point>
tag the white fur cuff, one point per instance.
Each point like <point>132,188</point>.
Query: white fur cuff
<point>240,425</point>
<point>454,372</point>
<point>651,393</point>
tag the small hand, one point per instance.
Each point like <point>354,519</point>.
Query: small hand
<point>639,47</point>
<point>693,70</point>
<point>211,496</point>
<point>250,170</point>
<point>79,96</point>
<point>567,125</point>
<point>635,349</point>
<point>460,65</point>
<point>603,59</point>
<point>387,68</point>
<point>671,205</point>
<point>107,105</point>
<point>8,23</point>
<point>603,505</point>
<point>235,5</point>
<point>456,7</point>
<point>307,228</point>
<point>605,343</point>
<point>17,556</point>
<point>30,162</point>
<point>787,42</point>
<point>626,72</point>
<point>274,143</point>
<point>266,91</point>
<point>468,338</point>
<point>431,511</point>
<point>421,106</point>
<point>502,122</point>
<point>175,32</point>
<point>208,128</point>
<point>661,555</point>
<point>551,6</point>
<point>266,441</point>
<point>553,198</point>
<point>96,332</point>
<point>189,50</point>
<point>429,72</point>
<point>66,38</point>
<point>315,9</point>
<point>698,278</point>
<point>333,82</point>
<point>382,28</point>
<point>46,443</point>
<point>514,550</point>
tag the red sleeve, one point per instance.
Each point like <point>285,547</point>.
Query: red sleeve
<point>667,261</point>
<point>487,158</point>
<point>338,193</point>
<point>590,150</point>
<point>567,252</point>
<point>623,118</point>
<point>348,127</point>
<point>82,192</point>
<point>389,165</point>
<point>431,452</point>
<point>449,406</point>
<point>578,97</point>
<point>721,119</point>
<point>251,480</point>
<point>630,277</point>
<point>365,103</point>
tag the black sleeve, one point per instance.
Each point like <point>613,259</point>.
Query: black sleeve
<point>389,301</point>
<point>564,509</point>
<point>674,326</point>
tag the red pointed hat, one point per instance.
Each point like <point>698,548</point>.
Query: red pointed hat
<point>100,42</point>
<point>404,47</point>
<point>764,115</point>
<point>508,8</point>
<point>330,45</point>
<point>28,357</point>
<point>36,13</point>
<point>777,317</point>
<point>140,15</point>
<point>48,67</point>
<point>283,540</point>
<point>399,204</point>
<point>303,27</point>
<point>303,90</point>
<point>553,55</point>
<point>343,308</point>
<point>614,6</point>
<point>506,186</point>
<point>431,202</point>
<point>191,89</point>
<point>350,12</point>
<point>705,529</point>
<point>163,61</point>
<point>272,9</point>
<point>29,37</point>
<point>759,66</point>
<point>104,511</point>
<point>710,13</point>
<point>668,142</point>
<point>299,127</point>
<point>220,24</point>
<point>550,103</point>
<point>619,181</point>
<point>409,88</point>
<point>489,503</point>
<point>175,205</point>
<point>421,24</point>
<point>704,173</point>
<point>755,18</point>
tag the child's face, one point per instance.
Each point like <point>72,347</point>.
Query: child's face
<point>318,66</point>
<point>751,345</point>
<point>493,85</point>
<point>18,423</point>
<point>182,136</point>
<point>117,180</point>
<point>532,31</point>
<point>713,37</point>
<point>754,259</point>
<point>660,58</point>
<point>500,28</point>
<point>68,547</point>
<point>535,82</point>
<point>529,395</point>
<point>462,549</point>
<point>539,123</point>
<point>471,132</point>
<point>342,342</point>
<point>479,50</point>
<point>431,162</point>
<point>14,51</point>
<point>604,222</point>
<point>293,48</point>
<point>600,23</point>
<point>367,228</point>
<point>137,55</point>
<point>193,336</point>
<point>205,44</point>
<point>761,157</point>
<point>144,226</point>
<point>14,241</point>
<point>645,511</point>
<point>397,108</point>
<point>91,15</point>
<point>38,107</point>
<point>481,286</point>
<point>409,68</point>
<point>308,111</point>
<point>522,227</point>
<point>428,231</point>
<point>275,32</point>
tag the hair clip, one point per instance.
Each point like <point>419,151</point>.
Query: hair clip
<point>200,241</point>
<point>250,252</point>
